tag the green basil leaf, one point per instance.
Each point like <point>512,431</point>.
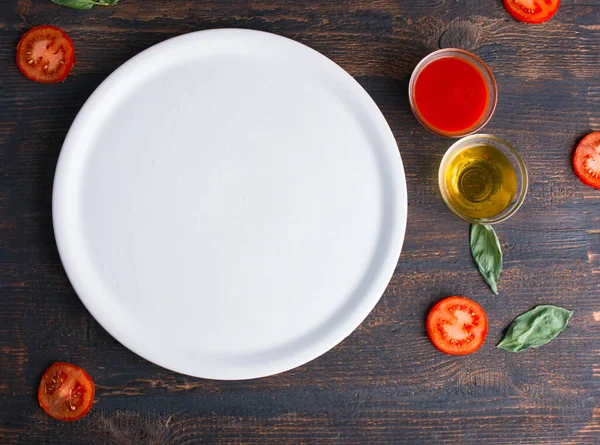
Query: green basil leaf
<point>75,4</point>
<point>84,4</point>
<point>535,328</point>
<point>487,254</point>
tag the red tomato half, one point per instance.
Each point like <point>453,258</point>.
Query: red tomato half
<point>532,11</point>
<point>66,392</point>
<point>586,160</point>
<point>457,326</point>
<point>46,54</point>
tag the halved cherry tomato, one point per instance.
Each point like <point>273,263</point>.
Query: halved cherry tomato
<point>586,160</point>
<point>46,54</point>
<point>457,326</point>
<point>66,392</point>
<point>532,11</point>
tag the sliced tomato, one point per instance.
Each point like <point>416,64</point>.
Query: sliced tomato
<point>532,11</point>
<point>46,54</point>
<point>457,326</point>
<point>66,392</point>
<point>586,160</point>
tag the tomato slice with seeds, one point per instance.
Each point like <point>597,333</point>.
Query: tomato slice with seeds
<point>457,326</point>
<point>66,392</point>
<point>46,54</point>
<point>586,160</point>
<point>532,11</point>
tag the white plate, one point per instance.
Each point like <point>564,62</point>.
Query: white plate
<point>229,204</point>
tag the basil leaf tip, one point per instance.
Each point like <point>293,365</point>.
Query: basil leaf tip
<point>487,254</point>
<point>535,328</point>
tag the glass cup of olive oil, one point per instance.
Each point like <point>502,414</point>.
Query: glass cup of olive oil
<point>483,179</point>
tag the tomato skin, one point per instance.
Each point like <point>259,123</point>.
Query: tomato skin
<point>53,63</point>
<point>532,11</point>
<point>457,325</point>
<point>66,392</point>
<point>586,160</point>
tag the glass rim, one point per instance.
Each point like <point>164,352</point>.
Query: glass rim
<point>519,165</point>
<point>480,65</point>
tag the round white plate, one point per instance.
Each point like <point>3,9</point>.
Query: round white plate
<point>229,204</point>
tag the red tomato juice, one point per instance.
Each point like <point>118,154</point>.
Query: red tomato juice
<point>451,94</point>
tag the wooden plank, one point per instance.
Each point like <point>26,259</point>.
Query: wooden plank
<point>385,383</point>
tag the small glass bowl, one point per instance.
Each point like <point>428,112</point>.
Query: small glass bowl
<point>483,70</point>
<point>515,160</point>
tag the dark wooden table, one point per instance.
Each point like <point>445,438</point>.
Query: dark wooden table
<point>385,383</point>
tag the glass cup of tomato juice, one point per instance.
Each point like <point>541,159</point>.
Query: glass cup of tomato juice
<point>452,93</point>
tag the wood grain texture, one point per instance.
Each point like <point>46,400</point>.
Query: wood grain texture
<point>385,383</point>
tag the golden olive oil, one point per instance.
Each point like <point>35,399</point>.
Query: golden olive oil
<point>480,181</point>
